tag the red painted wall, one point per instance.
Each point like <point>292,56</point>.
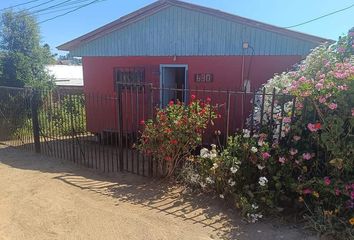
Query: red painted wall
<point>226,70</point>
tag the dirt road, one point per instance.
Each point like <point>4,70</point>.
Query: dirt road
<point>45,198</point>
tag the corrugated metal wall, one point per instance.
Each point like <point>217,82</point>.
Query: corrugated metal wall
<point>182,32</point>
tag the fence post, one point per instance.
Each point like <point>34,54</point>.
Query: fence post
<point>228,103</point>
<point>35,122</point>
<point>72,125</point>
<point>150,114</point>
<point>120,126</point>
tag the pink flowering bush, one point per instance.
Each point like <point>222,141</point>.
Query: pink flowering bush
<point>175,132</point>
<point>305,160</point>
<point>317,146</point>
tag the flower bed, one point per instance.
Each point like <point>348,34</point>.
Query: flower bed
<point>303,163</point>
<point>310,169</point>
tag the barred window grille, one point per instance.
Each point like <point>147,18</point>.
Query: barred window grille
<point>130,76</point>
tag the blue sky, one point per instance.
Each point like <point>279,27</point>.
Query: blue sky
<point>277,12</point>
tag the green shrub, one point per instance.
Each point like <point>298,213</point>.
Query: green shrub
<point>63,117</point>
<point>175,132</point>
<point>15,111</point>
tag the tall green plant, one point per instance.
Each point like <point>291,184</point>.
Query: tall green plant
<point>63,117</point>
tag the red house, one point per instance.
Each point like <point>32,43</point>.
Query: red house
<point>173,44</point>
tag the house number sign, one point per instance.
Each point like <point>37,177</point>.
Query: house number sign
<point>203,77</point>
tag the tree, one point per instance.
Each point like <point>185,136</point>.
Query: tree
<point>22,57</point>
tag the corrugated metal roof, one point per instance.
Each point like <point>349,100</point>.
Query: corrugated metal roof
<point>66,75</point>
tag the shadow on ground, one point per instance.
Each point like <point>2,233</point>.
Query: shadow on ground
<point>158,196</point>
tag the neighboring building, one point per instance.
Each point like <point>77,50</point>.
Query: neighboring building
<point>176,44</point>
<point>66,75</point>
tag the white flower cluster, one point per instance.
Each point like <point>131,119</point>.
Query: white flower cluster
<point>254,149</point>
<point>260,167</point>
<point>263,181</point>
<point>231,182</point>
<point>254,217</point>
<point>194,178</point>
<point>246,133</point>
<point>214,167</point>
<point>209,180</point>
<point>280,117</point>
<point>205,153</point>
<point>254,206</point>
<point>234,169</point>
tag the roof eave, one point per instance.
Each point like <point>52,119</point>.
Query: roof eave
<point>68,46</point>
<point>251,22</point>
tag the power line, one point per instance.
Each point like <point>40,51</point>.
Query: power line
<point>75,9</point>
<point>60,4</point>
<point>64,8</point>
<point>75,2</point>
<point>54,11</point>
<point>52,6</point>
<point>323,16</point>
<point>61,7</point>
<point>20,4</point>
<point>38,5</point>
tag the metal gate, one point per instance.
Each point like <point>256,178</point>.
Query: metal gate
<point>63,125</point>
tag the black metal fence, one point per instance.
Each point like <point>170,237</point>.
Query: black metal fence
<point>16,126</point>
<point>100,131</point>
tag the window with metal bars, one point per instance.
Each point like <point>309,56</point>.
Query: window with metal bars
<point>127,77</point>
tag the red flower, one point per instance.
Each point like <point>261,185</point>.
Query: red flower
<point>168,158</point>
<point>142,122</point>
<point>174,141</point>
<point>208,99</point>
<point>337,191</point>
<point>171,103</point>
<point>306,191</point>
<point>327,181</point>
<point>163,117</point>
<point>202,111</point>
<point>314,127</point>
<point>193,97</point>
<point>266,155</point>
